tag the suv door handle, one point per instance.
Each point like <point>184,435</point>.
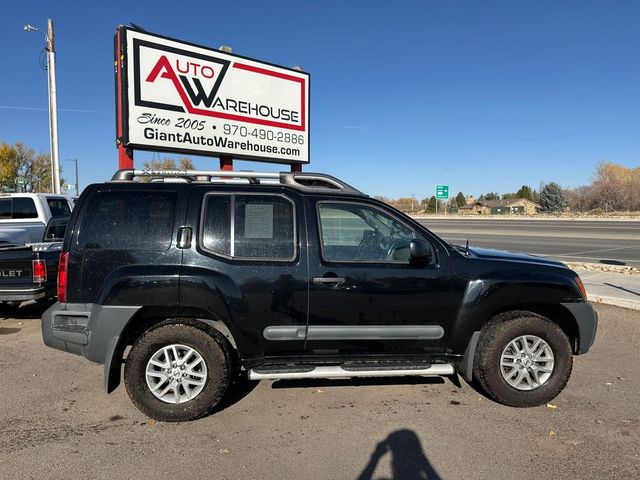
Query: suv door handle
<point>184,237</point>
<point>328,280</point>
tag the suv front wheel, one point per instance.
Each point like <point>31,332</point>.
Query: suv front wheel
<point>522,359</point>
<point>177,372</point>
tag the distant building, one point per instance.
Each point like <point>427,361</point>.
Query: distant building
<point>512,206</point>
<point>469,199</point>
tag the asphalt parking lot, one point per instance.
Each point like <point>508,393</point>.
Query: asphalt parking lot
<point>56,422</point>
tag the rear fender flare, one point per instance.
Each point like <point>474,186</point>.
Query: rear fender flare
<point>115,349</point>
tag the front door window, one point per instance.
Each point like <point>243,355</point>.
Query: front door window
<point>360,233</point>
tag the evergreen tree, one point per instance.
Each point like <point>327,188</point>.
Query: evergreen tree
<point>461,200</point>
<point>552,198</point>
<point>525,192</point>
<point>431,208</point>
<point>490,196</point>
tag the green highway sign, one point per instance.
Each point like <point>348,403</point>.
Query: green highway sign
<point>442,191</point>
<point>21,181</point>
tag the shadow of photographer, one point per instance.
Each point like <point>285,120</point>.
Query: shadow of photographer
<point>408,460</point>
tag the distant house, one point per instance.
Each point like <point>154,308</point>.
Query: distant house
<point>512,206</point>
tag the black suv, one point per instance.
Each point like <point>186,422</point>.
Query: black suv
<point>190,277</point>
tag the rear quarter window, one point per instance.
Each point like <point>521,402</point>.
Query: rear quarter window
<point>128,221</point>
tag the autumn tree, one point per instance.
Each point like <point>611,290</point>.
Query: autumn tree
<point>18,160</point>
<point>616,187</point>
<point>613,188</point>
<point>168,164</point>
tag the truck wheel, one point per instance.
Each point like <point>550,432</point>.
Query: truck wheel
<point>177,372</point>
<point>522,359</point>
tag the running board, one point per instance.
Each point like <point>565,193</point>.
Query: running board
<point>435,370</point>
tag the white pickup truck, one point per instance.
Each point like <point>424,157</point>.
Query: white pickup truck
<point>24,216</point>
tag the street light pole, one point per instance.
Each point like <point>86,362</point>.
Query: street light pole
<point>75,160</point>
<point>53,104</point>
<point>53,109</point>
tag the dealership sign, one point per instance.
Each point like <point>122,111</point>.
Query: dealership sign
<point>185,98</point>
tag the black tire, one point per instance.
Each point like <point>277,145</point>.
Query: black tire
<point>213,348</point>
<point>496,335</point>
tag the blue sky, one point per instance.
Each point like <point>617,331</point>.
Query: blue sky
<point>480,95</point>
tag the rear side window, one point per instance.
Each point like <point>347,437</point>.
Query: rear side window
<point>59,207</point>
<point>128,221</point>
<point>5,208</point>
<point>23,207</point>
<point>249,226</point>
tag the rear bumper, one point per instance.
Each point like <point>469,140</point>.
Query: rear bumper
<point>21,294</point>
<point>89,330</point>
<point>587,321</point>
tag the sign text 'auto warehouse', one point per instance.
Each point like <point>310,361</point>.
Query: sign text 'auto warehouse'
<point>191,99</point>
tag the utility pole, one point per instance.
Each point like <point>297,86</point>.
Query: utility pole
<point>53,109</point>
<point>75,160</point>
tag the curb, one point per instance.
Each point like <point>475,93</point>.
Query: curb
<point>602,267</point>
<point>617,302</point>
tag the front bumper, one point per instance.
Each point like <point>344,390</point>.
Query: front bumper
<point>586,319</point>
<point>21,294</point>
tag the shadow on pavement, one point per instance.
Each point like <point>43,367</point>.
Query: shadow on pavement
<point>408,460</point>
<point>612,262</point>
<point>28,310</point>
<point>8,330</point>
<point>357,382</point>
<point>622,288</point>
<point>239,388</point>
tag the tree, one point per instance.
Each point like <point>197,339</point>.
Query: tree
<point>461,200</point>
<point>431,207</point>
<point>18,160</point>
<point>489,196</point>
<point>535,196</point>
<point>525,192</point>
<point>613,188</point>
<point>168,164</point>
<point>552,198</point>
<point>616,187</point>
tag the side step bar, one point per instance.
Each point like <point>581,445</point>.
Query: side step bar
<point>435,370</point>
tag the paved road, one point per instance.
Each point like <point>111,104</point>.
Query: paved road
<point>615,242</point>
<point>56,423</point>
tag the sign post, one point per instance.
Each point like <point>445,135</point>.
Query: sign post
<point>442,192</point>
<point>178,97</point>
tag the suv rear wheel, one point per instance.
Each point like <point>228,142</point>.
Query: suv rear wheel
<point>522,359</point>
<point>177,372</point>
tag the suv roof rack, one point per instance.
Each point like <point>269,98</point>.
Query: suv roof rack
<point>311,182</point>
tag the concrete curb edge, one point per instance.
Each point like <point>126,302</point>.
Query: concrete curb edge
<point>618,302</point>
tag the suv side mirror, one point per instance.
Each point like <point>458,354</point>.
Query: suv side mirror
<point>55,230</point>
<point>419,253</point>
